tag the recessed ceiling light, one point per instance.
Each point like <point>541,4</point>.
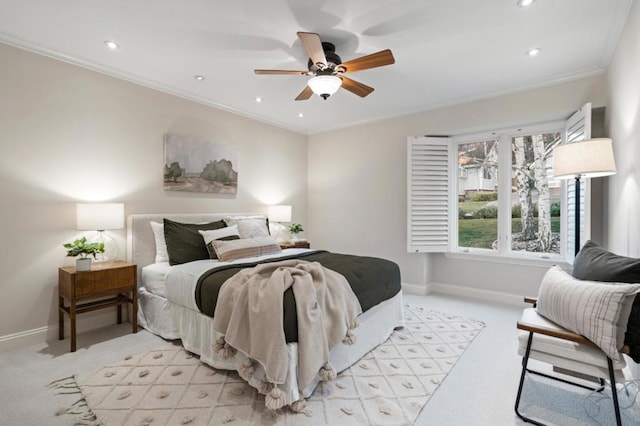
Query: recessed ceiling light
<point>198,77</point>
<point>525,3</point>
<point>258,99</point>
<point>300,115</point>
<point>111,45</point>
<point>533,52</point>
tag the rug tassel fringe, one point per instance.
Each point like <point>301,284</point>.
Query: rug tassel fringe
<point>66,386</point>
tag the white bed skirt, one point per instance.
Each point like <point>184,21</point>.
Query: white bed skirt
<point>195,329</point>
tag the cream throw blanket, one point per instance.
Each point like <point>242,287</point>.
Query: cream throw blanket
<point>249,315</point>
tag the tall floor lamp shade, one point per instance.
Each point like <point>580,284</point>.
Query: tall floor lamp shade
<point>100,217</point>
<point>575,160</point>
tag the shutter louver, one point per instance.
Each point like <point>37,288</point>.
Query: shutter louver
<point>428,195</point>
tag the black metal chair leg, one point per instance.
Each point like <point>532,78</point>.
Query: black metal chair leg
<point>614,392</point>
<point>525,361</point>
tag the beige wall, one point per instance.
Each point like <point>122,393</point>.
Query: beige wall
<point>623,117</point>
<point>70,135</point>
<point>357,183</point>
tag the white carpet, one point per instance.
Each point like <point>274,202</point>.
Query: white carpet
<point>390,385</point>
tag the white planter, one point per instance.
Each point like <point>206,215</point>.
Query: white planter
<point>83,264</point>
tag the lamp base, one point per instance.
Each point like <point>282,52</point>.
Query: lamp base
<point>110,247</point>
<point>278,231</point>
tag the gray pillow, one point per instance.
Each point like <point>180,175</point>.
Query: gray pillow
<point>184,242</point>
<point>594,263</point>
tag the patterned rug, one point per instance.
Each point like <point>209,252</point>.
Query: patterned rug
<point>170,386</point>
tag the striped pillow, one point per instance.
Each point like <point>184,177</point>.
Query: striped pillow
<point>245,247</point>
<point>596,310</point>
<point>225,234</point>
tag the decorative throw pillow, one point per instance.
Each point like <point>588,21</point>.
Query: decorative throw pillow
<point>245,247</point>
<point>597,264</point>
<point>597,311</point>
<point>184,243</point>
<point>223,234</point>
<point>161,245</point>
<point>250,226</point>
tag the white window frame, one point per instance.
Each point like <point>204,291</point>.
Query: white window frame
<point>504,253</point>
<point>504,137</point>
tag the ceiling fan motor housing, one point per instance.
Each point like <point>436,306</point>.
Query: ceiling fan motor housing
<point>332,59</point>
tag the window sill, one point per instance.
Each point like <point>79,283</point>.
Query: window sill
<point>524,260</point>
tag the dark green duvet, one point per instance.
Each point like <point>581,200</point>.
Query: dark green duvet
<point>372,280</point>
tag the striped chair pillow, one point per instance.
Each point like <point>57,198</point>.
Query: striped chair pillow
<point>596,310</point>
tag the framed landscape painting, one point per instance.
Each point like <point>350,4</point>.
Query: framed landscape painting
<point>198,166</point>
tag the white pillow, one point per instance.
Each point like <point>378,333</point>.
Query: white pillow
<point>245,247</point>
<point>249,226</point>
<point>228,233</point>
<point>161,246</point>
<point>598,311</point>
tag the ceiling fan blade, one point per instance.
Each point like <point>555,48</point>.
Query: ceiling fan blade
<point>280,72</point>
<point>313,46</point>
<point>355,87</point>
<point>378,59</point>
<point>305,94</point>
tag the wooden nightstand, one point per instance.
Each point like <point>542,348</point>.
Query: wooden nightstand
<point>295,244</point>
<point>107,282</point>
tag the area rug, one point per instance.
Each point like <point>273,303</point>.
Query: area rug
<point>170,386</point>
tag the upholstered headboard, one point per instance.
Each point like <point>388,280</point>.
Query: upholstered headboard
<point>141,244</point>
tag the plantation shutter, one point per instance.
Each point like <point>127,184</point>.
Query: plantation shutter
<point>429,193</point>
<point>577,128</point>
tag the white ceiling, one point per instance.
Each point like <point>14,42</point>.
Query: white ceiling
<point>446,51</point>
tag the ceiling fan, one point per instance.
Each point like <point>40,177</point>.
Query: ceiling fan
<point>328,70</point>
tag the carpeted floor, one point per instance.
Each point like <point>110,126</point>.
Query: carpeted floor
<point>388,386</point>
<point>479,391</point>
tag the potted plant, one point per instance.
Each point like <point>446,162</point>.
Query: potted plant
<point>84,249</point>
<point>294,230</point>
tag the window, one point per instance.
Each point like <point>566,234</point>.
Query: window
<point>535,195</point>
<point>478,196</point>
<point>494,193</point>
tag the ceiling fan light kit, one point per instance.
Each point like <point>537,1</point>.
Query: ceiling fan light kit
<point>329,70</point>
<point>325,85</point>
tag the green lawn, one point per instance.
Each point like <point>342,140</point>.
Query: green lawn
<point>481,233</point>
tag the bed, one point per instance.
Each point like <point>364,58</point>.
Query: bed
<point>168,305</point>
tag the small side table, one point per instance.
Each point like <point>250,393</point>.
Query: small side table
<point>295,244</point>
<point>107,282</point>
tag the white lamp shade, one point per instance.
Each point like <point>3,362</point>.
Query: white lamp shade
<point>590,158</point>
<point>98,217</point>
<point>279,213</point>
<point>325,85</point>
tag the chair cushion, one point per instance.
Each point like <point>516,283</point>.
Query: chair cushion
<point>570,355</point>
<point>595,310</point>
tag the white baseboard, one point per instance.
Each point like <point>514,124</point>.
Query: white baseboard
<point>475,293</point>
<point>84,323</point>
<point>420,290</point>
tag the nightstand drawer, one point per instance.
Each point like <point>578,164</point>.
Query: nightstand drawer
<point>295,244</point>
<point>95,283</point>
